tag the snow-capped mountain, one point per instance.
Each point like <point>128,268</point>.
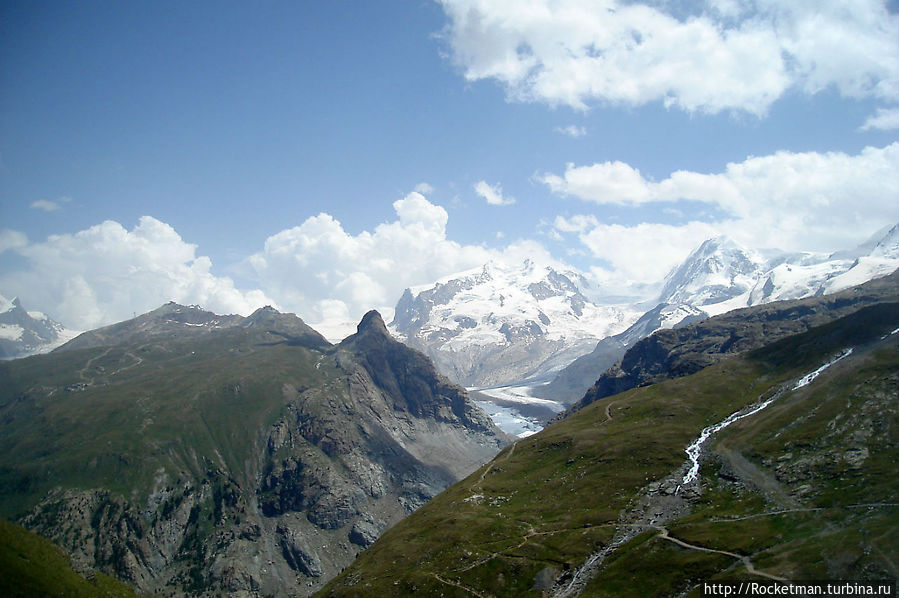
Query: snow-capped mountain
<point>717,277</point>
<point>502,323</point>
<point>24,332</point>
<point>720,276</point>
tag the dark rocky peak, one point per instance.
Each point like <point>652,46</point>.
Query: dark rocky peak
<point>408,377</point>
<point>371,333</point>
<point>372,323</point>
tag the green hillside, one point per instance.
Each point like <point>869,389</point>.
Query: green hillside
<point>108,417</point>
<point>32,566</point>
<point>250,456</point>
<point>805,489</point>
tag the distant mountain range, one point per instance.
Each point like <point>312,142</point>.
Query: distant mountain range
<point>503,323</point>
<point>25,333</point>
<point>508,323</point>
<point>720,276</point>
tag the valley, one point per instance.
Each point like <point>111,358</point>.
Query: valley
<point>184,451</point>
<point>515,409</point>
<point>803,489</point>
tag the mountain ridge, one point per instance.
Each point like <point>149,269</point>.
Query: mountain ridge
<point>721,276</point>
<point>24,333</point>
<point>193,452</point>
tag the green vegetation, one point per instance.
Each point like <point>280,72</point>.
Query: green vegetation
<point>125,425</point>
<point>32,566</point>
<point>802,490</point>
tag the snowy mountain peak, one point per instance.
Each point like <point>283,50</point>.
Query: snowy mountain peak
<point>718,272</point>
<point>25,333</point>
<point>888,246</point>
<point>504,322</point>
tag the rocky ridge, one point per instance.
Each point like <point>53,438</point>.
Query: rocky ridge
<point>262,463</point>
<point>682,351</point>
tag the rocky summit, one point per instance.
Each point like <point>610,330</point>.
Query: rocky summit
<point>185,452</point>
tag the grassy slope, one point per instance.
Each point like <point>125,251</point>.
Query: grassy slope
<point>546,504</point>
<point>50,436</point>
<point>33,566</point>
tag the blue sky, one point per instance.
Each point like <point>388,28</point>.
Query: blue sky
<point>323,156</point>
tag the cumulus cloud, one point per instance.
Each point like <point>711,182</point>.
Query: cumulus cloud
<point>107,273</point>
<point>640,256</point>
<point>324,273</point>
<point>885,119</point>
<point>791,201</point>
<point>493,194</point>
<point>726,55</point>
<point>12,239</point>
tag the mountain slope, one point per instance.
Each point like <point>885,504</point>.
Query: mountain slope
<point>252,457</point>
<point>682,351</point>
<point>33,566</point>
<point>502,323</point>
<point>598,505</point>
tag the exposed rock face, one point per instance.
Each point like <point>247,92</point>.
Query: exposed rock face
<point>262,462</point>
<point>297,552</point>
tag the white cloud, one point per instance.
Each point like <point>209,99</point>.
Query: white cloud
<point>107,273</point>
<point>322,272</point>
<point>578,223</point>
<point>424,188</point>
<point>885,119</point>
<point>792,201</point>
<point>606,182</point>
<point>12,239</point>
<point>572,131</point>
<point>640,256</point>
<point>47,205</point>
<point>729,55</point>
<point>493,194</point>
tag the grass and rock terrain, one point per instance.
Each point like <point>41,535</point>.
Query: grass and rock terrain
<point>183,452</point>
<point>34,566</point>
<point>595,504</point>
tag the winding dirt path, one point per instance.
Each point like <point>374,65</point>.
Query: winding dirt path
<point>90,362</point>
<point>744,559</point>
